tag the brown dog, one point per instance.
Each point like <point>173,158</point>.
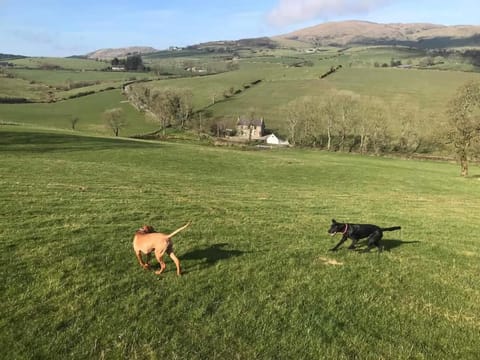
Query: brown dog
<point>146,241</point>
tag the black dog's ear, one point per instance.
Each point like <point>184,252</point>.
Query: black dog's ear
<point>334,221</point>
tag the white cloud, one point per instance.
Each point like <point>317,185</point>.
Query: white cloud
<point>289,12</point>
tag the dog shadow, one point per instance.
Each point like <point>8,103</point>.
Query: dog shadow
<point>211,255</point>
<point>386,244</point>
<point>389,244</point>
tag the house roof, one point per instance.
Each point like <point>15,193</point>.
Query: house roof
<point>248,122</point>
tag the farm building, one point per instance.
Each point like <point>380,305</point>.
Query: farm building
<point>272,139</point>
<point>250,129</point>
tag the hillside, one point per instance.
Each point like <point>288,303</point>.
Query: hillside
<point>339,34</point>
<point>348,33</point>
<point>108,54</point>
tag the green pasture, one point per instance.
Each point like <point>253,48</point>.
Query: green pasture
<point>87,109</point>
<point>426,92</point>
<point>64,63</point>
<point>259,280</point>
<point>20,88</point>
<point>63,77</point>
<point>41,85</point>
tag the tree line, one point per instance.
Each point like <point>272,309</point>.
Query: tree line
<point>167,107</point>
<point>345,121</point>
<point>131,63</point>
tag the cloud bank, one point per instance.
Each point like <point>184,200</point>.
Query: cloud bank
<point>290,12</point>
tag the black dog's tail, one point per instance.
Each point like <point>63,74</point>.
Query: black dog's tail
<point>392,228</point>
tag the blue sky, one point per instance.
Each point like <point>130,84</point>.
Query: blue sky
<point>65,27</point>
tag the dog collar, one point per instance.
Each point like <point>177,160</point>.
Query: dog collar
<point>346,229</point>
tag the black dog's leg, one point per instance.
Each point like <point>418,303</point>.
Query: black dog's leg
<point>342,240</point>
<point>352,245</point>
<point>374,240</point>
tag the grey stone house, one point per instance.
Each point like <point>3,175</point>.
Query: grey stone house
<point>250,129</point>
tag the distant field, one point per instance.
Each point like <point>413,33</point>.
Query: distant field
<point>61,77</point>
<point>88,109</point>
<point>425,92</point>
<point>65,63</point>
<point>20,88</point>
<point>259,280</point>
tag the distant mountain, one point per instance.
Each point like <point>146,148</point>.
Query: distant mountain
<point>351,33</point>
<point>11,57</point>
<point>108,54</point>
<point>340,34</point>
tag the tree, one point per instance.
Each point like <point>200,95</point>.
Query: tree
<point>464,121</point>
<point>347,108</point>
<point>294,111</point>
<point>134,63</point>
<point>376,123</point>
<point>170,106</point>
<point>74,121</point>
<point>114,119</point>
<point>185,107</point>
<point>163,105</point>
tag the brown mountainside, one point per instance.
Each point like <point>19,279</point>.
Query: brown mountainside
<point>363,32</point>
<point>108,54</point>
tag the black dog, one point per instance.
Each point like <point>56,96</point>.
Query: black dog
<point>356,232</point>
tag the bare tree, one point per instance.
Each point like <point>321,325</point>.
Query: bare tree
<point>464,121</point>
<point>372,125</point>
<point>329,113</point>
<point>114,119</point>
<point>170,106</point>
<point>163,105</point>
<point>295,114</point>
<point>74,121</point>
<point>185,106</point>
<point>347,109</point>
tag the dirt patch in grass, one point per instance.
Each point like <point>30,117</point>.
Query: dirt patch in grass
<point>328,261</point>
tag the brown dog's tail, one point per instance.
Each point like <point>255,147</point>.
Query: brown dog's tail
<point>178,230</point>
<point>392,228</point>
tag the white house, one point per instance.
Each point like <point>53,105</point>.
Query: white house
<point>272,139</point>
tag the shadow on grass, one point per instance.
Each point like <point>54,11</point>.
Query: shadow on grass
<point>212,254</point>
<point>387,244</point>
<point>38,142</point>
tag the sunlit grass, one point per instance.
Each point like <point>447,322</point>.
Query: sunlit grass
<point>259,280</point>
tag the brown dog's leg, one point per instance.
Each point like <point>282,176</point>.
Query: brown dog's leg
<point>139,258</point>
<point>147,263</point>
<point>159,256</point>
<point>162,268</point>
<point>177,263</point>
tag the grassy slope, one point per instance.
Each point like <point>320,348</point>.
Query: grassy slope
<point>258,283</point>
<point>20,88</point>
<point>62,77</point>
<point>65,63</point>
<point>427,91</point>
<point>88,109</point>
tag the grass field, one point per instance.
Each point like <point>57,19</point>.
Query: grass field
<point>259,280</point>
<point>64,63</point>
<point>88,109</point>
